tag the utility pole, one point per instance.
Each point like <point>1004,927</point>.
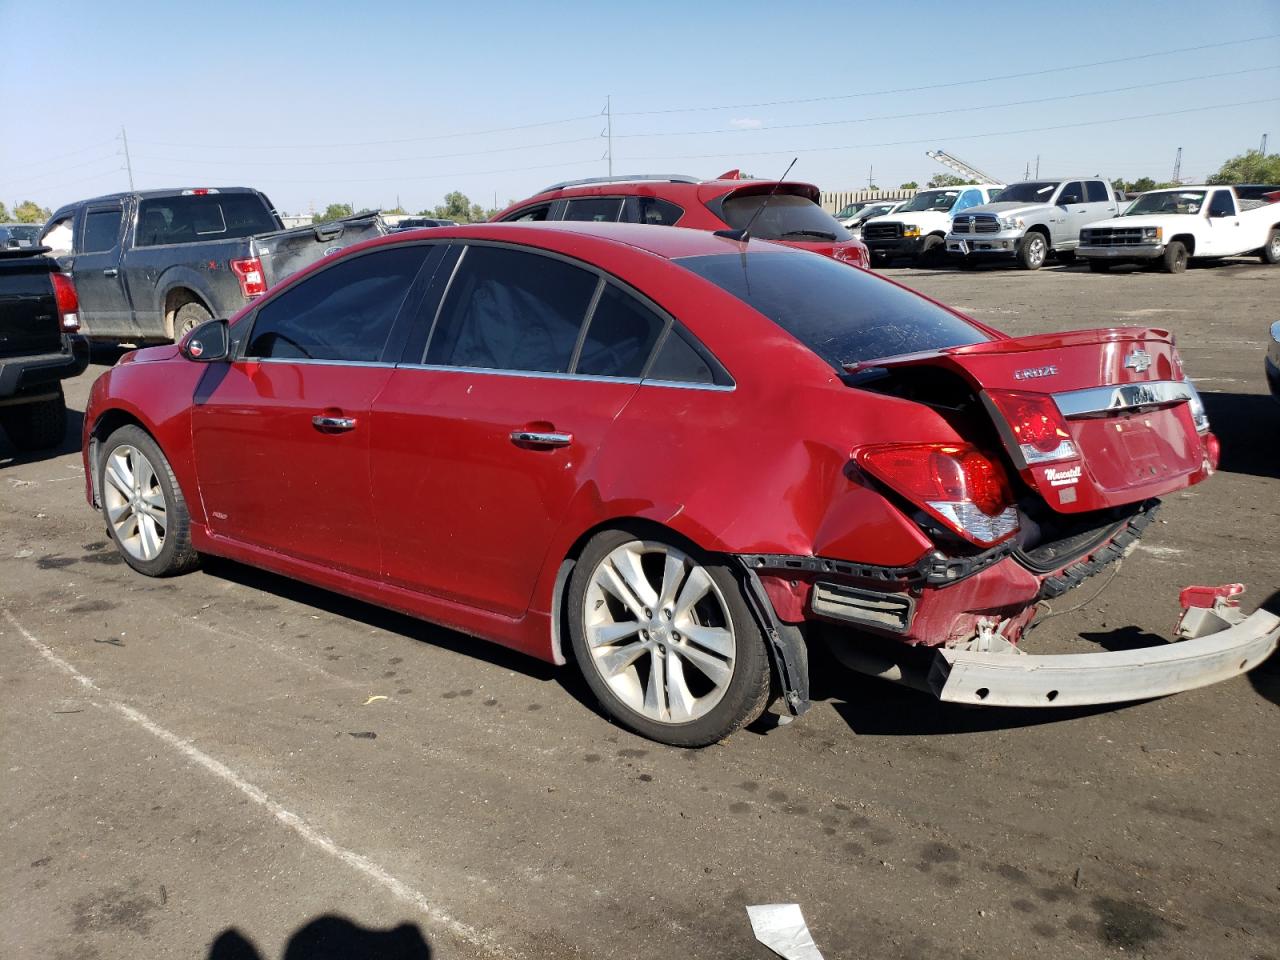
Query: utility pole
<point>1177,166</point>
<point>1026,174</point>
<point>1037,166</point>
<point>1263,148</point>
<point>128,165</point>
<point>870,178</point>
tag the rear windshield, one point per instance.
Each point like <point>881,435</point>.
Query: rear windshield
<point>1029,191</point>
<point>191,219</point>
<point>786,217</point>
<point>843,314</point>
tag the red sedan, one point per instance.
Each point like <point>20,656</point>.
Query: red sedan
<point>672,457</point>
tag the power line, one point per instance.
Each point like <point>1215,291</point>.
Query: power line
<point>74,166</point>
<point>402,179</point>
<point>934,113</point>
<point>61,156</point>
<point>953,83</point>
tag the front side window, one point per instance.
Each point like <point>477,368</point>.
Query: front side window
<point>619,337</point>
<point>1095,191</point>
<point>193,218</point>
<point>1222,205</point>
<point>101,230</point>
<point>786,216</point>
<point>970,198</point>
<point>597,209</point>
<point>844,316</point>
<point>511,310</point>
<point>343,312</point>
<point>1073,192</point>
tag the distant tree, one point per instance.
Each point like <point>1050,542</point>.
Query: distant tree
<point>909,185</point>
<point>1141,185</point>
<point>28,211</point>
<point>334,211</point>
<point>397,211</point>
<point>947,180</point>
<point>1250,167</point>
<point>872,186</point>
<point>4,213</point>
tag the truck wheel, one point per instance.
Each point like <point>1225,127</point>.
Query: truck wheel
<point>1032,251</point>
<point>879,258</point>
<point>1271,251</point>
<point>36,426</point>
<point>932,252</point>
<point>1175,258</point>
<point>187,317</point>
<point>1100,266</point>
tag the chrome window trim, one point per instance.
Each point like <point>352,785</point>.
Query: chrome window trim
<point>577,377</point>
<point>686,385</point>
<point>317,361</point>
<point>1118,398</point>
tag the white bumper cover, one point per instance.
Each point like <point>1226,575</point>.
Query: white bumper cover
<point>1028,680</point>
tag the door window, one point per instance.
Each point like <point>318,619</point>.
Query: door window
<point>343,312</point>
<point>511,310</point>
<point>1222,205</point>
<point>599,209</point>
<point>101,230</point>
<point>653,211</point>
<point>970,198</point>
<point>1096,192</point>
<point>619,337</point>
<point>1073,192</point>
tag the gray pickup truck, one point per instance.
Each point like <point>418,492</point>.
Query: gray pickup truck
<point>1032,220</point>
<point>153,264</point>
<point>38,349</point>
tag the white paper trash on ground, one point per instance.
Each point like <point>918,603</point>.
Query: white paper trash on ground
<point>781,928</point>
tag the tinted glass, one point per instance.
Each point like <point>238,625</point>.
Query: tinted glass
<point>1221,204</point>
<point>1095,191</point>
<point>653,211</point>
<point>1029,191</point>
<point>600,209</point>
<point>842,315</point>
<point>510,310</point>
<point>620,336</point>
<point>785,217</point>
<point>344,312</point>
<point>214,216</point>
<point>679,362</point>
<point>529,213</point>
<point>101,230</point>
<point>1073,192</point>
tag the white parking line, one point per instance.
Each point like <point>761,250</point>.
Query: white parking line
<point>380,875</point>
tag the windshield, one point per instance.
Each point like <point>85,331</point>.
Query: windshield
<point>942,200</point>
<point>874,210</point>
<point>843,315</point>
<point>1032,191</point>
<point>1167,201</point>
<point>787,217</point>
<point>849,209</point>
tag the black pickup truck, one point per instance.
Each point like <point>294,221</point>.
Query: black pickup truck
<point>37,349</point>
<point>151,265</point>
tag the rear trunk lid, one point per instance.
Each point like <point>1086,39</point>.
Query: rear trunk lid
<point>1091,419</point>
<point>29,323</point>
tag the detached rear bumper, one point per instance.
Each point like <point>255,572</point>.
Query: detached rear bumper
<point>1013,680</point>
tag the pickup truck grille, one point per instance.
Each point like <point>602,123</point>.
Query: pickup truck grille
<point>977,223</point>
<point>1112,236</point>
<point>881,231</point>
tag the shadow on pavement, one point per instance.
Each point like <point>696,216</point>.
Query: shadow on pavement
<point>1247,425</point>
<point>331,938</point>
<point>1266,677</point>
<point>12,457</point>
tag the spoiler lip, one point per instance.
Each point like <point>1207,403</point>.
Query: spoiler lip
<point>1082,679</point>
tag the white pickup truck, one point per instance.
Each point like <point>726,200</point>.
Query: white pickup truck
<point>1172,226</point>
<point>918,228</point>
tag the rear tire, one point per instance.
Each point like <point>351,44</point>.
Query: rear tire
<point>665,640</point>
<point>1175,258</point>
<point>1100,266</point>
<point>1033,250</point>
<point>187,317</point>
<point>1271,249</point>
<point>144,508</point>
<point>36,426</point>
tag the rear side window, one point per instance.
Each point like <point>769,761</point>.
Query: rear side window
<point>785,217</point>
<point>842,314</point>
<point>190,219</point>
<point>679,362</point>
<point>620,336</point>
<point>599,209</point>
<point>343,312</point>
<point>101,230</point>
<point>511,310</point>
<point>529,214</point>
<point>653,211</point>
<point>1095,191</point>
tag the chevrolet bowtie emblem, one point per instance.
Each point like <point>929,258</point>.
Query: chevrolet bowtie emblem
<point>1138,361</point>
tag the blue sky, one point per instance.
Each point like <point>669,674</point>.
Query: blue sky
<point>366,102</point>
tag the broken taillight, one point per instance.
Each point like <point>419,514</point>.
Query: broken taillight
<point>68,302</point>
<point>1038,427</point>
<point>955,483</point>
<point>249,272</point>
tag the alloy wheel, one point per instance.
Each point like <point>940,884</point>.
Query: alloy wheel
<point>135,502</point>
<point>659,632</point>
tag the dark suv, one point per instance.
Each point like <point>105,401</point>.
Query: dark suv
<point>792,214</point>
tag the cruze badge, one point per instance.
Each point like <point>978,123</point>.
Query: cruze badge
<point>1138,361</point>
<point>1033,373</point>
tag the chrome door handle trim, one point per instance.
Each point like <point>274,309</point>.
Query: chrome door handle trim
<point>110,272</point>
<point>333,423</point>
<point>541,439</point>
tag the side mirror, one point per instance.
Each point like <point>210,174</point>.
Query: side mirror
<point>208,342</point>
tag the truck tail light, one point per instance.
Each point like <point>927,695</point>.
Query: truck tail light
<point>956,484</point>
<point>64,294</point>
<point>1038,427</point>
<point>249,272</point>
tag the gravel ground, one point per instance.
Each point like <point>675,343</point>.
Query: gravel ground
<point>197,760</point>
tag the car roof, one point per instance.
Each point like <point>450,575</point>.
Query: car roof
<point>686,189</point>
<point>149,194</point>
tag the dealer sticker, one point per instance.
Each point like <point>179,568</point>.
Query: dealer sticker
<point>1063,478</point>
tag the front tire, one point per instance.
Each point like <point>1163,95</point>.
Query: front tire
<point>1033,250</point>
<point>932,252</point>
<point>665,640</point>
<point>144,508</point>
<point>36,426</point>
<point>1175,258</point>
<point>1271,249</point>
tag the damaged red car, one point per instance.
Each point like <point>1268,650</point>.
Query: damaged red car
<point>674,458</point>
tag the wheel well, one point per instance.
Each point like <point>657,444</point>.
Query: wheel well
<point>107,424</point>
<point>1039,228</point>
<point>174,301</point>
<point>1188,241</point>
